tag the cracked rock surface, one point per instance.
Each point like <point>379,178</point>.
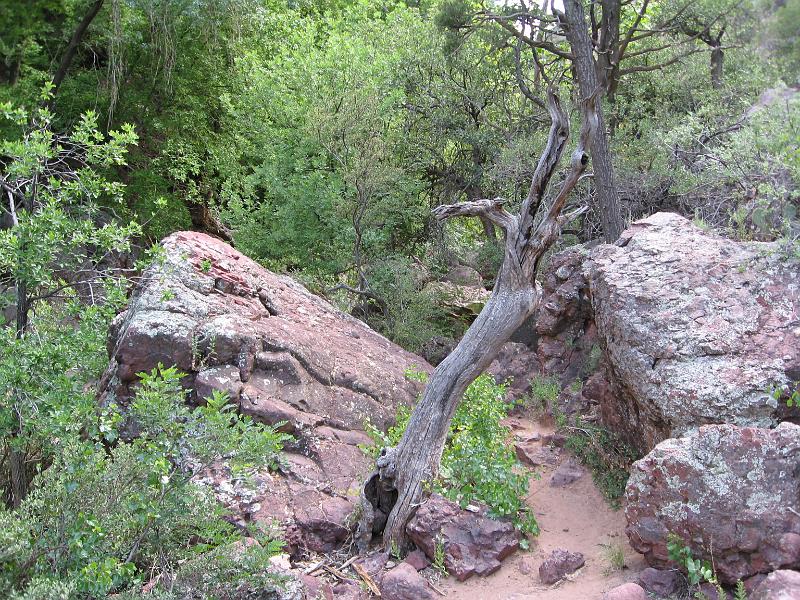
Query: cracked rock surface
<point>696,328</point>
<point>281,354</point>
<point>730,493</point>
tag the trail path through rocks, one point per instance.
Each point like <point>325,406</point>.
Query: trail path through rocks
<point>575,517</point>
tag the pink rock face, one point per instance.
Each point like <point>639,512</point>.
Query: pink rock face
<point>730,493</point>
<point>277,350</point>
<point>696,328</point>
<point>780,585</point>
<point>473,543</point>
<point>281,354</point>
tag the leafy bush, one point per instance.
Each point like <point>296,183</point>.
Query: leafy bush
<point>477,464</point>
<point>413,313</point>
<point>104,516</point>
<point>605,454</point>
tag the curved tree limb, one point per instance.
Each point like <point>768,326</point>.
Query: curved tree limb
<point>490,209</point>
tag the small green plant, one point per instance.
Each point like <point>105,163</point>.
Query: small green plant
<point>792,395</point>
<point>544,394</point>
<point>205,265</point>
<point>438,557</point>
<point>740,593</point>
<point>394,550</point>
<point>595,354</point>
<point>605,454</point>
<point>614,555</point>
<point>477,464</point>
<point>699,572</point>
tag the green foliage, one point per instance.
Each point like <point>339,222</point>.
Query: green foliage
<point>740,593</point>
<point>784,40</point>
<point>607,456</point>
<point>100,518</point>
<point>477,463</point>
<point>543,398</point>
<point>697,572</point>
<point>414,315</point>
<point>438,558</point>
<point>614,555</point>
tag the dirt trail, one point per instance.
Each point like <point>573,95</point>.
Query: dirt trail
<point>576,518</point>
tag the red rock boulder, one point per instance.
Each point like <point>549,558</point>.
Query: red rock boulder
<point>732,494</point>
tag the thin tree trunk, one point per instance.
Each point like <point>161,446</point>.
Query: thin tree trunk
<point>416,459</point>
<point>392,494</point>
<point>717,59</point>
<point>74,42</point>
<point>19,476</point>
<point>590,87</point>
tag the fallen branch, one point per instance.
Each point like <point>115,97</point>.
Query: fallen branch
<point>362,572</point>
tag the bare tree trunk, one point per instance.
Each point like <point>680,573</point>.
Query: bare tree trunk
<point>590,87</point>
<point>717,59</point>
<point>392,494</point>
<point>74,42</point>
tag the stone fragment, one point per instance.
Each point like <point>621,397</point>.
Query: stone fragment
<point>473,544</point>
<point>404,583</point>
<point>567,472</point>
<point>661,582</point>
<point>558,564</point>
<point>626,591</point>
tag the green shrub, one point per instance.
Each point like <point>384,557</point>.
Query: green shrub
<point>477,463</point>
<point>105,515</point>
<point>605,454</point>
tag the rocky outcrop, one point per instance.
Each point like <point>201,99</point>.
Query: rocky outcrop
<point>473,544</point>
<point>281,354</point>
<point>564,325</point>
<point>464,301</point>
<point>696,328</point>
<point>278,351</point>
<point>730,493</point>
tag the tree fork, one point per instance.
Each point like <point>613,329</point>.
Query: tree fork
<point>391,495</point>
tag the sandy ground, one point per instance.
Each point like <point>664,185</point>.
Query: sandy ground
<point>576,518</point>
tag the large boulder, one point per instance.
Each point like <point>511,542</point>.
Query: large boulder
<point>472,543</point>
<point>282,355</point>
<point>278,351</point>
<point>696,328</point>
<point>731,494</point>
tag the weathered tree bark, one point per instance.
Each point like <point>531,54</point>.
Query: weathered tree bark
<point>717,59</point>
<point>574,23</point>
<point>392,494</point>
<point>204,220</point>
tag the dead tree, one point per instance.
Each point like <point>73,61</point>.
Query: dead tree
<point>394,491</point>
